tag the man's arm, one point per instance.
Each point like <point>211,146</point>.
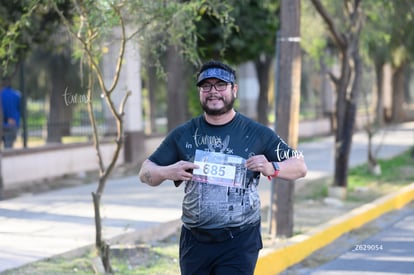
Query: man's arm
<point>153,174</point>
<point>290,169</point>
<point>293,168</point>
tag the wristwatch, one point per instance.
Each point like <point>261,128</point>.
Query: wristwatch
<point>277,169</point>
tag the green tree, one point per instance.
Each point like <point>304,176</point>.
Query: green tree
<point>376,39</point>
<point>344,27</point>
<point>252,38</point>
<point>387,38</point>
<point>93,25</point>
<point>32,29</point>
<point>173,55</point>
<point>402,49</point>
<point>23,24</point>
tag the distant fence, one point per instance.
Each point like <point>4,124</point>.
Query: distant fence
<point>36,123</point>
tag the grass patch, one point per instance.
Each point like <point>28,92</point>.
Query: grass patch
<point>162,258</point>
<point>363,185</point>
<point>75,139</point>
<point>395,173</point>
<point>159,259</point>
<point>314,190</point>
<point>398,170</point>
<point>54,266</point>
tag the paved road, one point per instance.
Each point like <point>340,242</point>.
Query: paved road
<point>34,227</point>
<point>44,225</point>
<point>389,251</point>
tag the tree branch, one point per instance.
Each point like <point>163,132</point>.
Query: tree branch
<point>92,119</point>
<point>119,142</point>
<point>333,78</point>
<point>336,36</point>
<point>121,51</point>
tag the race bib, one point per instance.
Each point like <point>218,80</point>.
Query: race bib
<point>220,169</point>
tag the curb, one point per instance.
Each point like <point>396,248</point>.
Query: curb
<point>301,246</point>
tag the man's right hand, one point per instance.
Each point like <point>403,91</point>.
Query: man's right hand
<point>153,174</point>
<point>182,170</point>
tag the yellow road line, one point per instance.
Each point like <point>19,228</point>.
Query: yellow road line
<point>301,246</point>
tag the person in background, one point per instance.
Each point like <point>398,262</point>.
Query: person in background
<point>220,156</point>
<point>10,100</point>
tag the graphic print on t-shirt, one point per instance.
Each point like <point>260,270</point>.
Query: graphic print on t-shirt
<point>216,206</point>
<point>213,143</point>
<point>220,169</point>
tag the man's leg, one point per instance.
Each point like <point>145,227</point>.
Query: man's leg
<point>194,255</point>
<point>234,256</point>
<point>240,255</point>
<point>9,136</point>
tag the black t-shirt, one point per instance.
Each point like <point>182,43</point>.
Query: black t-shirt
<point>212,206</point>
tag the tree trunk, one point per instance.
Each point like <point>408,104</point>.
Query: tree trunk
<point>342,134</point>
<point>263,71</point>
<point>287,111</point>
<point>346,118</point>
<point>102,247</point>
<point>398,110</point>
<point>347,84</point>
<point>327,94</point>
<point>176,88</point>
<point>407,81</point>
<point>62,99</point>
<point>379,110</point>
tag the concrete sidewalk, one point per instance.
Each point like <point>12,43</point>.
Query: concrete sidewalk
<point>35,227</point>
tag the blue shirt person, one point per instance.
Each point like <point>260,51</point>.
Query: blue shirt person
<point>10,100</point>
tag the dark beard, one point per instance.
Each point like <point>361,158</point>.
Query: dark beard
<point>213,112</point>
